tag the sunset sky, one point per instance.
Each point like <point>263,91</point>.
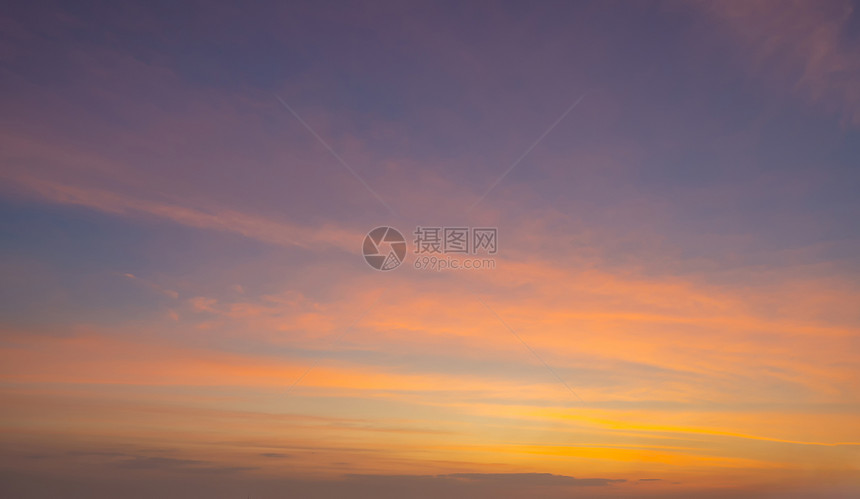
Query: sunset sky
<point>673,309</point>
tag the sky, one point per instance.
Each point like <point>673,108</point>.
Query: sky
<point>671,309</point>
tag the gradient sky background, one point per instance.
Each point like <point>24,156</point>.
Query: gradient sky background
<point>177,249</point>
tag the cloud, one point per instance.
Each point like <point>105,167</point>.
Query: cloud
<point>745,370</point>
<point>146,462</point>
<point>127,461</point>
<point>495,485</point>
<point>151,285</point>
<point>252,226</point>
<point>534,479</point>
<point>805,44</point>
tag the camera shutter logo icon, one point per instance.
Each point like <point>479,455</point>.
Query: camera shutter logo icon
<point>384,248</point>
